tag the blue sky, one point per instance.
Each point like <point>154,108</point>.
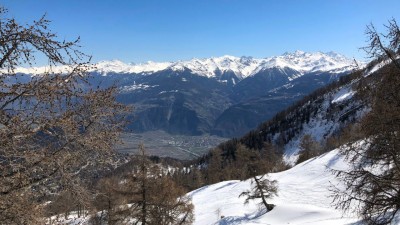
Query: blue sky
<point>169,30</point>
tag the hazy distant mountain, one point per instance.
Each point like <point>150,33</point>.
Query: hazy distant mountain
<point>225,95</point>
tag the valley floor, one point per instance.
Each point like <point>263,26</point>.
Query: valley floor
<point>160,143</point>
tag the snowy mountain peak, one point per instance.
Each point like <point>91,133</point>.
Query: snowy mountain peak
<point>297,53</point>
<point>312,62</point>
<point>225,58</point>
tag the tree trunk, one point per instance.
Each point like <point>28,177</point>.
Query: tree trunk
<point>264,201</point>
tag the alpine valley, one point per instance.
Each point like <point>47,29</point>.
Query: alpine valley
<point>224,96</point>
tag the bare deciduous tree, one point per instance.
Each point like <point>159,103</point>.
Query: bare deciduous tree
<point>110,202</point>
<point>263,189</point>
<point>51,124</point>
<point>154,198</point>
<point>309,148</point>
<point>378,49</point>
<point>144,195</point>
<point>372,185</point>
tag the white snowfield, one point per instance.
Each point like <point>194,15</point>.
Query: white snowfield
<point>242,67</point>
<point>303,198</point>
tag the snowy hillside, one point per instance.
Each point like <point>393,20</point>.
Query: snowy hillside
<point>242,67</point>
<point>335,110</point>
<point>303,198</point>
<point>322,114</point>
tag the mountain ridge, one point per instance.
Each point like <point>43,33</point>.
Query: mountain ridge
<point>242,67</point>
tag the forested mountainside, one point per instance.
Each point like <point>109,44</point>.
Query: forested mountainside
<point>323,120</point>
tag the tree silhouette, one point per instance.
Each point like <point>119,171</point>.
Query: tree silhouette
<point>51,124</point>
<point>372,184</point>
<point>262,188</point>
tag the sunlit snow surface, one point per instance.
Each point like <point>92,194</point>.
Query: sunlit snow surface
<point>303,198</point>
<point>343,94</point>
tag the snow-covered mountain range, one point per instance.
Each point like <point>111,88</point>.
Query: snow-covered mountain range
<point>226,96</point>
<point>242,67</point>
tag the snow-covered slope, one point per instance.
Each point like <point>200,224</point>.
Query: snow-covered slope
<point>303,198</point>
<point>242,67</point>
<point>333,111</point>
<point>321,114</point>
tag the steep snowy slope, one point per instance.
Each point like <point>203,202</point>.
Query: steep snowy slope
<point>303,198</point>
<point>331,113</point>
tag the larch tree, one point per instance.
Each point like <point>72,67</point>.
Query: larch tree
<point>262,189</point>
<point>110,202</point>
<point>214,169</point>
<point>153,197</point>
<point>372,185</point>
<point>309,148</point>
<point>51,124</point>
